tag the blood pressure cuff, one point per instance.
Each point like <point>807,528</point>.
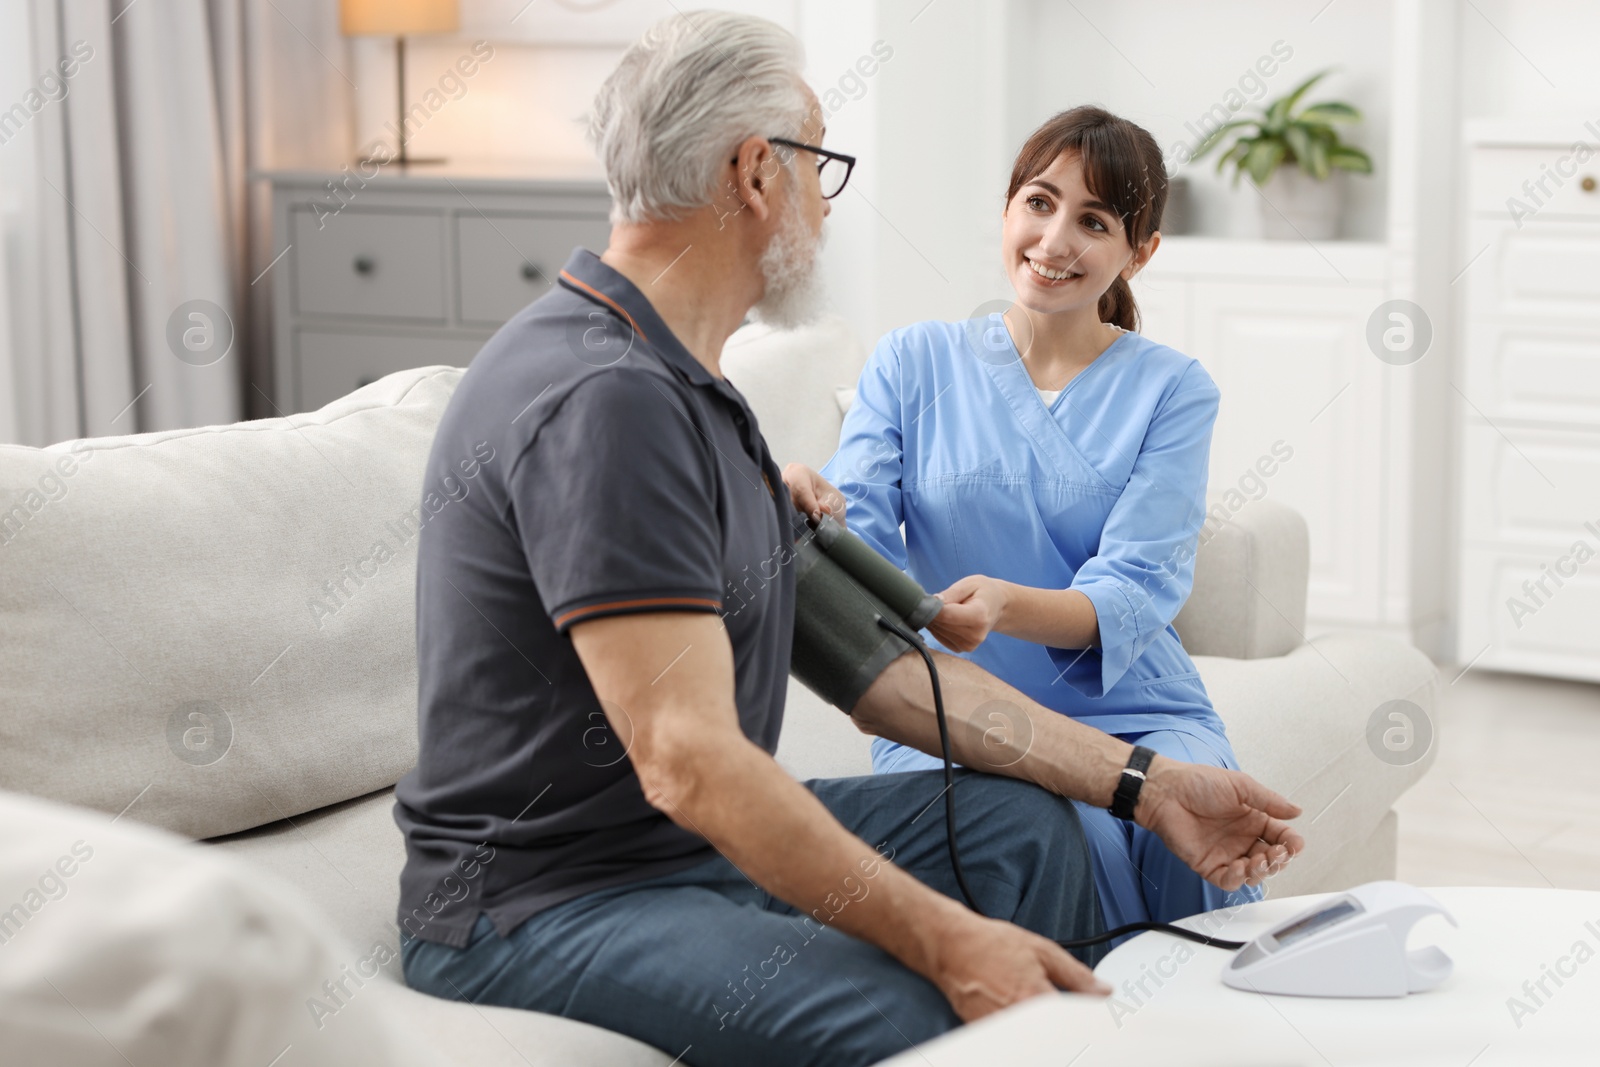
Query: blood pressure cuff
<point>839,648</point>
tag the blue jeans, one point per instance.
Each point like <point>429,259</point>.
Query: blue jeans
<point>1136,876</point>
<point>703,963</point>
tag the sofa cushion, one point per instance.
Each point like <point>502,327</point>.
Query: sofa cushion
<point>123,944</point>
<point>1250,572</point>
<point>346,857</point>
<point>213,628</point>
<point>791,379</point>
<point>481,1035</point>
<point>1302,724</point>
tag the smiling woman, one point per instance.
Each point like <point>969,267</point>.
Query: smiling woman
<point>1114,170</point>
<point>1049,466</point>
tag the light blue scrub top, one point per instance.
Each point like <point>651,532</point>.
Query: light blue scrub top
<point>1102,491</point>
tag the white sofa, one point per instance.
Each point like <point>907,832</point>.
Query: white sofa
<point>162,661</point>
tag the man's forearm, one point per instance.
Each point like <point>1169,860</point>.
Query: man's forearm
<point>785,840</point>
<point>993,727</point>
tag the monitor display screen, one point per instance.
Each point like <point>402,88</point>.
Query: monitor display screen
<point>1323,919</point>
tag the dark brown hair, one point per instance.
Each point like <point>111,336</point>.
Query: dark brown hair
<point>1122,165</point>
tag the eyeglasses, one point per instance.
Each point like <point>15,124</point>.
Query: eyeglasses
<point>833,168</point>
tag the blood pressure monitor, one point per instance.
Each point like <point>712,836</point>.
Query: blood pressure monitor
<point>1350,945</point>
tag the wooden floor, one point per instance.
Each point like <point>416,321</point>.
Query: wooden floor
<point>1514,797</point>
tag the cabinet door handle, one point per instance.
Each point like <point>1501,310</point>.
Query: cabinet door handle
<point>1588,183</point>
<point>530,273</point>
<point>364,265</point>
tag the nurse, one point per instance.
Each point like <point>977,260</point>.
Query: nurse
<point>1049,465</point>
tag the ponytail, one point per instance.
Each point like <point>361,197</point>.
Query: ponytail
<point>1117,306</point>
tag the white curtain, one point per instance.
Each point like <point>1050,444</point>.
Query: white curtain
<point>132,227</point>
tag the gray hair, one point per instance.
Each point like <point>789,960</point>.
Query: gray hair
<point>690,90</point>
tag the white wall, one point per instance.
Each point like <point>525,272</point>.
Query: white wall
<point>526,101</point>
<point>836,35</point>
<point>1165,63</point>
<point>1530,58</point>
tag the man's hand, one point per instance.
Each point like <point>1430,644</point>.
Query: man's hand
<point>812,494</point>
<point>972,609</point>
<point>983,965</point>
<point>1225,825</point>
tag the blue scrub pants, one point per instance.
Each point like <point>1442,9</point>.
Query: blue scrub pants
<point>704,965</point>
<point>1136,876</point>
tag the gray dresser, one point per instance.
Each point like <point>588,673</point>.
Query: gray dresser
<point>407,269</point>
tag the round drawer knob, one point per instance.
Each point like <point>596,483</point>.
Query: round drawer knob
<point>364,265</point>
<point>1588,183</point>
<point>530,273</point>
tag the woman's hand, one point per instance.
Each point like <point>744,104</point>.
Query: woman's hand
<point>1225,825</point>
<point>972,609</point>
<point>812,494</point>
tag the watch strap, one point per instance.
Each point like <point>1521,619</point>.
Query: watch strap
<point>1126,797</point>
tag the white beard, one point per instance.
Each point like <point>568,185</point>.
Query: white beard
<point>792,267</point>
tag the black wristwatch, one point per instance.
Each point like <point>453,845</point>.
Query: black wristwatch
<point>1127,794</point>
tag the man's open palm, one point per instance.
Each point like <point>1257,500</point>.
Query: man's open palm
<point>1225,825</point>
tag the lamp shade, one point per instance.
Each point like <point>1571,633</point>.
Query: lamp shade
<point>397,18</point>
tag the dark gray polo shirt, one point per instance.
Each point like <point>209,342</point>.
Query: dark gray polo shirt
<point>586,465</point>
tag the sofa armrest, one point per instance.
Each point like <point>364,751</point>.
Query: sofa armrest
<point>1250,573</point>
<point>1303,724</point>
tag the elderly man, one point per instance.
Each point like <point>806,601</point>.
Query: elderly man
<point>596,826</point>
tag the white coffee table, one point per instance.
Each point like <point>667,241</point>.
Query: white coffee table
<point>1171,1008</point>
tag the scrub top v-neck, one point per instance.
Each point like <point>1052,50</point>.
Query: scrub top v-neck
<point>1049,396</point>
<point>1100,490</point>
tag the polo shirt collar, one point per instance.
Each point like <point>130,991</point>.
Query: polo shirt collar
<point>594,280</point>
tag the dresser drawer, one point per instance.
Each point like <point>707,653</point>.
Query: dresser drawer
<point>332,364</point>
<point>509,260</point>
<point>372,264</point>
<point>1545,372</point>
<point>1499,175</point>
<point>1544,270</point>
<point>1533,611</point>
<point>1528,486</point>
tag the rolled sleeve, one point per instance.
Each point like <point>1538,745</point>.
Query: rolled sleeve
<point>868,465</point>
<point>614,504</point>
<point>1143,570</point>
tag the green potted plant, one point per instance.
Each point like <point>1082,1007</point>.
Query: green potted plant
<point>1294,158</point>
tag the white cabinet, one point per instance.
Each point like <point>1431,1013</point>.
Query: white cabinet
<point>1529,574</point>
<point>1293,366</point>
<point>1283,333</point>
<point>402,270</point>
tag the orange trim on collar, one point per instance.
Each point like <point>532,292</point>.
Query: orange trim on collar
<point>612,304</point>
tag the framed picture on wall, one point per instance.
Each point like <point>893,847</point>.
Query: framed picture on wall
<point>593,22</point>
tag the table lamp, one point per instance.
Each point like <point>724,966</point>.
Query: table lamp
<point>397,18</point>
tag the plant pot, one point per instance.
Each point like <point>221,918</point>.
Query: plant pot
<point>1175,219</point>
<point>1295,206</point>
